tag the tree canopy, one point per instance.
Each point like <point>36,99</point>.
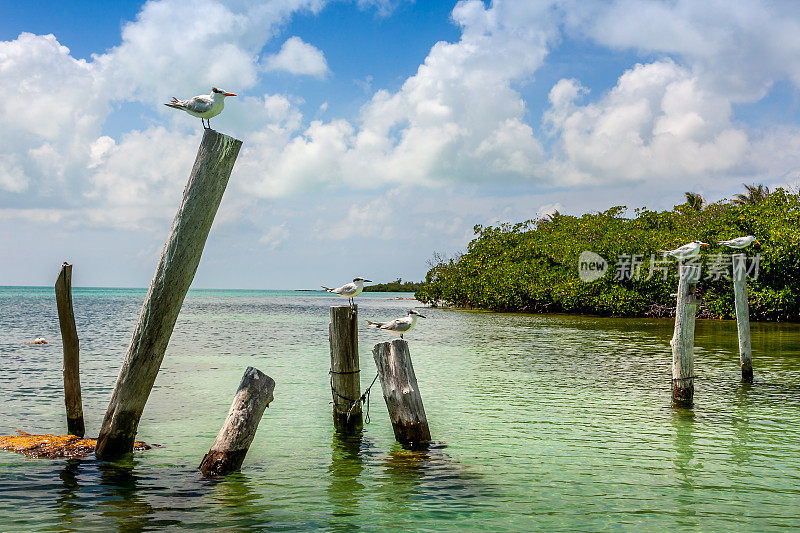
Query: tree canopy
<point>532,266</point>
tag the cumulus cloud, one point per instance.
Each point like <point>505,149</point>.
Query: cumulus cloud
<point>298,57</point>
<point>459,121</point>
<point>739,49</point>
<point>162,51</point>
<point>56,105</point>
<point>655,123</point>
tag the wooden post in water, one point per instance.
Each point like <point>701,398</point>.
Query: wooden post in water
<point>345,372</point>
<point>230,447</point>
<point>174,274</point>
<point>71,349</point>
<point>683,338</point>
<point>400,390</point>
<point>742,315</point>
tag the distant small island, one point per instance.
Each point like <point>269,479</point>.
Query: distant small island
<point>394,286</point>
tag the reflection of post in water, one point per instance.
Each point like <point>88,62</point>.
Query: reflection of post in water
<point>121,503</point>
<point>69,480</point>
<point>683,422</point>
<point>428,478</point>
<point>401,490</point>
<point>240,503</point>
<point>344,488</point>
<point>741,448</point>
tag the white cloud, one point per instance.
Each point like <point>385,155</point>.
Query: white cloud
<point>459,121</point>
<point>655,123</point>
<point>12,178</point>
<point>164,52</point>
<point>275,236</point>
<point>298,57</point>
<point>740,49</point>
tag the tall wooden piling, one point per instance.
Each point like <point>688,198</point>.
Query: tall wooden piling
<point>401,392</point>
<point>345,372</point>
<point>683,338</point>
<point>174,274</point>
<point>230,447</point>
<point>742,316</point>
<point>71,350</point>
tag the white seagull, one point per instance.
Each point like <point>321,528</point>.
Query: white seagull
<point>740,242</point>
<point>204,106</point>
<point>399,326</point>
<point>687,251</point>
<point>349,290</point>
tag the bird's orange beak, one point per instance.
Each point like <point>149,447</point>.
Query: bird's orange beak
<point>704,244</point>
<point>229,94</point>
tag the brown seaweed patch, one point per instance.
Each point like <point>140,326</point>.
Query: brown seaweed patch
<point>53,446</point>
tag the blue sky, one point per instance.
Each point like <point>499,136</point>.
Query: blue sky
<point>376,132</point>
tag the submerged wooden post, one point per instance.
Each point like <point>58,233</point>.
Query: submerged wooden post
<point>345,372</point>
<point>400,390</point>
<point>253,396</point>
<point>174,274</point>
<point>683,338</point>
<point>69,341</point>
<point>742,316</point>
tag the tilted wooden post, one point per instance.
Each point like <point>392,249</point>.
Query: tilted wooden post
<point>230,447</point>
<point>742,316</point>
<point>345,372</point>
<point>683,338</point>
<point>400,390</point>
<point>71,349</point>
<point>174,274</point>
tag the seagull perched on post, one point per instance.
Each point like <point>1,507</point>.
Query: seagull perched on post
<point>204,106</point>
<point>740,242</point>
<point>399,326</point>
<point>687,251</point>
<point>349,290</point>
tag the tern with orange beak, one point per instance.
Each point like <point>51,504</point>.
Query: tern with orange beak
<point>740,242</point>
<point>205,106</point>
<point>687,251</point>
<point>398,326</point>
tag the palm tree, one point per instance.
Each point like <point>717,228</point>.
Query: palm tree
<point>755,195</point>
<point>695,200</point>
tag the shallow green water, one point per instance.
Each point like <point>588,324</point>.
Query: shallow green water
<point>542,422</point>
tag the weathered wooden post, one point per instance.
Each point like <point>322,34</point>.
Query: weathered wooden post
<point>400,390</point>
<point>70,345</point>
<point>742,315</point>
<point>253,396</point>
<point>345,372</point>
<point>683,338</point>
<point>174,274</point>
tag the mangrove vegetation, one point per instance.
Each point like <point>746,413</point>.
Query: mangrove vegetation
<point>532,266</point>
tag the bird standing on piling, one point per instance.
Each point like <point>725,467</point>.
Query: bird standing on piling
<point>740,242</point>
<point>349,290</point>
<point>687,251</point>
<point>204,106</point>
<point>399,325</point>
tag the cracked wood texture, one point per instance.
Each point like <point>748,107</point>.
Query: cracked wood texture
<point>682,342</point>
<point>401,392</point>
<point>71,349</point>
<point>230,447</point>
<point>742,316</point>
<point>174,274</point>
<point>345,373</point>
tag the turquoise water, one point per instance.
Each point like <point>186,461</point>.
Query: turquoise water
<point>542,423</point>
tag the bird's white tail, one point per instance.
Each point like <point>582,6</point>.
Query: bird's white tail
<point>373,324</point>
<point>326,288</point>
